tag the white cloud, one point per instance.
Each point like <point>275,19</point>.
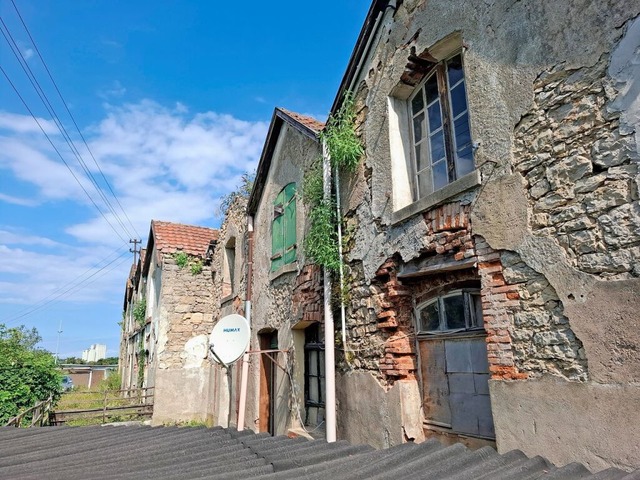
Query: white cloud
<point>25,202</point>
<point>26,124</point>
<point>12,236</point>
<point>163,163</point>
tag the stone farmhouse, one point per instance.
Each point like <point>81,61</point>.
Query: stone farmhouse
<point>491,243</point>
<point>167,316</point>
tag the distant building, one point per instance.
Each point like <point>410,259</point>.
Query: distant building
<point>94,353</point>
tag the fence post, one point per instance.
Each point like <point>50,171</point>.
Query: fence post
<point>104,410</point>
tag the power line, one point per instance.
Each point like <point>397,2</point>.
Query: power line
<point>75,288</point>
<point>59,154</point>
<point>49,107</point>
<point>76,280</point>
<point>35,46</point>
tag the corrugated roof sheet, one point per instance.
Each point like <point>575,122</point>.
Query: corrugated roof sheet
<point>155,453</point>
<point>172,237</point>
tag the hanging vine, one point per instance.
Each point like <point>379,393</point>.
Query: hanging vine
<point>345,150</point>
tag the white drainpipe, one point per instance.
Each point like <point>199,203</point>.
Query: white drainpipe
<point>244,380</point>
<point>329,342</point>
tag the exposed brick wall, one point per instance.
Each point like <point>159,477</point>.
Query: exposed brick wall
<point>308,295</point>
<point>527,332</point>
<point>499,300</point>
<point>394,319</point>
<point>449,228</point>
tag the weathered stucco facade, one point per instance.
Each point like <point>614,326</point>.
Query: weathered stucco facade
<point>286,298</point>
<point>546,227</point>
<point>492,244</point>
<point>229,264</point>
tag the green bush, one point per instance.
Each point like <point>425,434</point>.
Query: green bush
<point>27,374</point>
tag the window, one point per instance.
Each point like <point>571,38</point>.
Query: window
<point>455,311</point>
<point>440,135</point>
<point>228,267</point>
<point>283,231</point>
<point>313,376</point>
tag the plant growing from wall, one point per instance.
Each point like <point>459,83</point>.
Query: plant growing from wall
<point>341,138</point>
<point>321,241</point>
<point>140,312</point>
<point>181,258</point>
<point>242,191</point>
<point>196,267</point>
<point>142,360</point>
<point>346,150</point>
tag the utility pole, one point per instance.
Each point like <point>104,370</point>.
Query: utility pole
<point>135,250</point>
<point>58,342</point>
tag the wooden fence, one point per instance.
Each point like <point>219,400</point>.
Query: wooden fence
<point>85,408</point>
<point>41,413</point>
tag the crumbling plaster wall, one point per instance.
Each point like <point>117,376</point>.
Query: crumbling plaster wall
<point>538,86</point>
<point>225,382</point>
<point>273,292</point>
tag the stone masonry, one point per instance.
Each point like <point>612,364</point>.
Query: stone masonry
<point>581,171</point>
<point>188,303</point>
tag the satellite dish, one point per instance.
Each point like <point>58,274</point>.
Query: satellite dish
<point>229,339</point>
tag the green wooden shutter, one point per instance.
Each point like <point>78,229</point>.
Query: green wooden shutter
<point>277,233</point>
<point>290,231</point>
<point>283,231</point>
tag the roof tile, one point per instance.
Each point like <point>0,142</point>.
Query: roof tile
<point>173,237</point>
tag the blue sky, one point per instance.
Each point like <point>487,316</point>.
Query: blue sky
<point>173,99</point>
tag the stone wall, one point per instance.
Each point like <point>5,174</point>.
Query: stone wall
<point>186,306</point>
<point>581,170</point>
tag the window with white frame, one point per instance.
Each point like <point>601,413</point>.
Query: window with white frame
<point>458,310</point>
<point>441,145</point>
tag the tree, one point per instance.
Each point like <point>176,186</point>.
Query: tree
<point>27,374</point>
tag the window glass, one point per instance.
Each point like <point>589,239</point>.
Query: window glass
<point>454,69</point>
<point>422,156</point>
<point>430,317</point>
<point>454,311</point>
<point>418,128</point>
<point>425,182</point>
<point>458,100</point>
<point>437,146</point>
<point>458,310</point>
<point>417,103</point>
<point>476,304</point>
<point>431,89</point>
<point>439,113</point>
<point>435,116</point>
<point>440,175</point>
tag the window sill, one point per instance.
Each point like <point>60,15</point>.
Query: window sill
<point>289,268</point>
<point>453,335</point>
<point>463,184</point>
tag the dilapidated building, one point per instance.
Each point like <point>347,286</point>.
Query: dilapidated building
<point>495,228</point>
<point>491,241</point>
<point>168,316</point>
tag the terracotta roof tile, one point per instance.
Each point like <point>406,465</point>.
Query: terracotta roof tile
<point>173,237</point>
<point>307,121</point>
